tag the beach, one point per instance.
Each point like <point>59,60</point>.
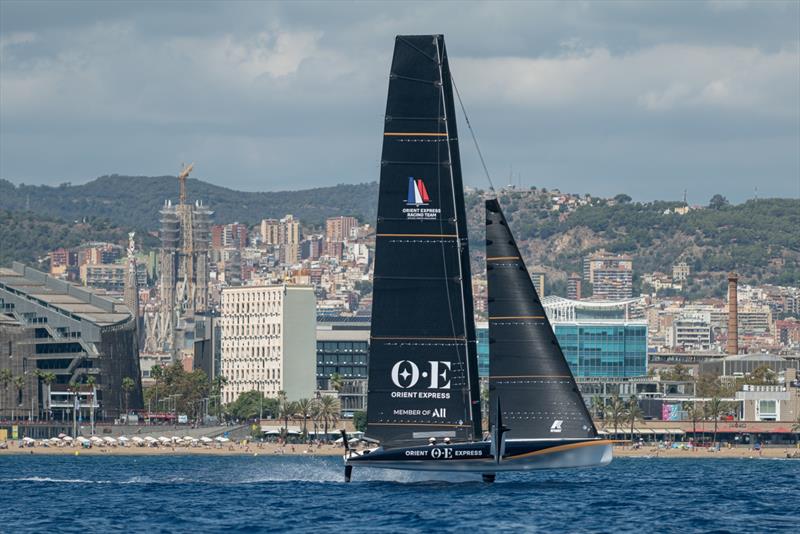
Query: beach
<point>274,449</point>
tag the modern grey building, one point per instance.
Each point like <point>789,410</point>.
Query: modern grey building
<point>51,326</point>
<point>343,350</point>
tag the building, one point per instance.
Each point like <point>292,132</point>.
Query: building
<point>690,334</point>
<point>599,339</point>
<point>343,351</point>
<point>680,272</point>
<point>482,337</point>
<point>611,275</point>
<point>110,277</point>
<point>48,325</point>
<point>229,236</point>
<point>183,269</point>
<point>270,232</point>
<point>574,287</point>
<point>778,402</point>
<point>337,231</point>
<point>538,283</point>
<point>268,340</point>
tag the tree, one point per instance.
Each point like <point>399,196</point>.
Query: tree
<point>598,406</point>
<point>718,202</point>
<point>762,376</point>
<point>90,381</point>
<point>714,409</point>
<point>286,411</point>
<point>6,377</point>
<point>304,407</point>
<point>250,404</point>
<point>693,410</point>
<point>128,385</point>
<point>360,421</point>
<point>157,374</point>
<point>216,389</point>
<point>336,382</point>
<point>327,410</point>
<point>19,385</point>
<point>633,412</point>
<point>616,410</point>
<point>622,198</point>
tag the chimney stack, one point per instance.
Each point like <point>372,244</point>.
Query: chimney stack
<point>733,315</point>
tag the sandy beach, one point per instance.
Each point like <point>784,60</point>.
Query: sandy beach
<point>227,449</point>
<point>272,449</point>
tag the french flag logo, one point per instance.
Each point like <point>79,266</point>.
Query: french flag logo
<point>417,194</point>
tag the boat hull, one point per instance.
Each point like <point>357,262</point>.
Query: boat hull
<point>479,458</point>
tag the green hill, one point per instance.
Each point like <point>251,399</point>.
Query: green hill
<point>758,238</point>
<point>134,201</point>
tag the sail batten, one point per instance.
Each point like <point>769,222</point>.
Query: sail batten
<point>528,374</point>
<point>423,362</point>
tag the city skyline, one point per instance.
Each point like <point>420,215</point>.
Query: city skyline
<point>601,98</point>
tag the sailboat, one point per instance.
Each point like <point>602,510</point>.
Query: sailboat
<point>424,404</point>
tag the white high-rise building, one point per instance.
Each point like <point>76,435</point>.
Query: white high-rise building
<point>269,341</point>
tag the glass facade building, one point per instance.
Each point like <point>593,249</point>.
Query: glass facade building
<point>342,348</point>
<point>604,350</point>
<point>482,335</point>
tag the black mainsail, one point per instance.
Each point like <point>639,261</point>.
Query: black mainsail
<point>529,375</point>
<point>423,379</point>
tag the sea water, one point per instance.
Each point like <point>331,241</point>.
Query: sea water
<point>246,494</point>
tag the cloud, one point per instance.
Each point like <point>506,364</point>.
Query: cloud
<point>587,96</point>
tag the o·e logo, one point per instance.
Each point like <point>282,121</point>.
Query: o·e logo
<point>405,374</point>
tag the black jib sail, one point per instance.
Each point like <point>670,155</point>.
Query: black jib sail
<point>528,372</point>
<point>423,362</point>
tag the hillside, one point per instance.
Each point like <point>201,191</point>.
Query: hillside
<point>28,237</point>
<point>134,201</point>
<point>758,238</point>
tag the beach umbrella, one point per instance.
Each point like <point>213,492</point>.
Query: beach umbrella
<point>62,436</point>
<point>123,439</point>
<point>164,439</point>
<point>110,440</point>
<point>66,438</point>
<point>205,439</point>
<point>96,439</point>
<point>188,438</point>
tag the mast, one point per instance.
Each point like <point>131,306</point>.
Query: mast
<point>528,373</point>
<point>423,362</point>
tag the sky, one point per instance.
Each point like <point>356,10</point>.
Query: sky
<point>649,99</point>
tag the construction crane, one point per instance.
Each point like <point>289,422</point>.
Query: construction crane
<point>182,179</point>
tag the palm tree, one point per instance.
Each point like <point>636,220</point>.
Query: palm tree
<point>90,381</point>
<point>5,379</point>
<point>19,386</point>
<point>157,373</point>
<point>48,378</point>
<point>336,382</point>
<point>616,410</point>
<point>304,409</point>
<point>128,385</point>
<point>598,407</point>
<point>693,411</point>
<point>285,411</point>
<point>74,388</point>
<point>714,409</point>
<point>328,411</point>
<point>633,412</point>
